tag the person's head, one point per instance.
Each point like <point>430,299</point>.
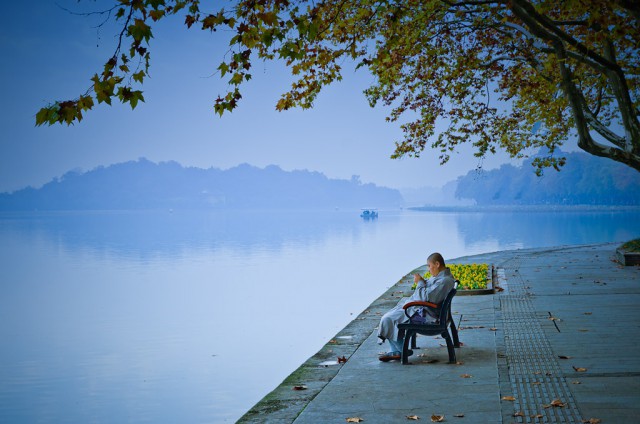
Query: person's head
<point>435,262</point>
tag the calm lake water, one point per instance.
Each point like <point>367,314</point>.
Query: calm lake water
<point>193,317</point>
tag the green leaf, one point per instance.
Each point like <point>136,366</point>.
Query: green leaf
<point>236,78</point>
<point>223,68</point>
<point>138,76</point>
<point>44,116</point>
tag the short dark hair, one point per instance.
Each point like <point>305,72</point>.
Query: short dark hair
<point>436,257</point>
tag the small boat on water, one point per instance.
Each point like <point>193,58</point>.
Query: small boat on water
<point>369,213</point>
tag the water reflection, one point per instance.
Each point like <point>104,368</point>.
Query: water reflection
<point>133,316</point>
<point>149,233</point>
<point>545,228</point>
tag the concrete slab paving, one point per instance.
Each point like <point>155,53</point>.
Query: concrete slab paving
<point>566,328</point>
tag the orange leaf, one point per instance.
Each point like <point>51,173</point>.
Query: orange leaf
<point>509,398</point>
<point>466,376</point>
<point>413,417</point>
<point>519,414</point>
<point>437,418</point>
<point>580,369</point>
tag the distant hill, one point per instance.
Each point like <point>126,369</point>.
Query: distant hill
<point>143,184</point>
<point>584,180</point>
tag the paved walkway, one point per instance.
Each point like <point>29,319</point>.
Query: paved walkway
<point>559,344</point>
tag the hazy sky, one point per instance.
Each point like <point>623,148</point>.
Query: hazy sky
<point>49,54</point>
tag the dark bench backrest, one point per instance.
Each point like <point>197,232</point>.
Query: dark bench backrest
<point>445,309</point>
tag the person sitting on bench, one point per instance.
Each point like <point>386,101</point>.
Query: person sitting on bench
<point>433,290</point>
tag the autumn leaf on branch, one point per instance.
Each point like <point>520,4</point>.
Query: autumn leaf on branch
<point>512,76</point>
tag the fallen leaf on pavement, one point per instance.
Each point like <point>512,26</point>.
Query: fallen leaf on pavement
<point>459,363</point>
<point>580,369</point>
<point>519,414</point>
<point>558,403</point>
<point>342,360</point>
<point>537,416</point>
<point>466,376</point>
<point>437,418</point>
<point>592,421</point>
<point>564,357</point>
<point>300,387</point>
<point>493,329</point>
<point>576,382</point>
<point>413,417</point>
<point>458,415</point>
<point>354,420</point>
<point>509,398</point>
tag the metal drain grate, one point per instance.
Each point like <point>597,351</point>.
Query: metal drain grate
<point>534,373</point>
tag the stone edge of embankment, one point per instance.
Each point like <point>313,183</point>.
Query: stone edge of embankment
<point>285,403</point>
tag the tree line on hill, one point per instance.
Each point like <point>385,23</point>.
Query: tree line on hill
<point>143,184</point>
<point>584,180</point>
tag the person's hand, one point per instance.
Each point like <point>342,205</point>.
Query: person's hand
<point>417,278</point>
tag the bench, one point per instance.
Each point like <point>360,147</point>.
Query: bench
<point>437,328</point>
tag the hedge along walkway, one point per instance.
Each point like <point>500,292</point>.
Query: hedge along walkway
<point>570,302</point>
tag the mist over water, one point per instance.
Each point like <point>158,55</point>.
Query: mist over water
<point>195,316</point>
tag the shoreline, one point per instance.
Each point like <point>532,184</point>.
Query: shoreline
<point>284,404</point>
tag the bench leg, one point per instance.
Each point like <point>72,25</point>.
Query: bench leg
<point>454,334</point>
<point>413,341</point>
<point>450,349</point>
<point>405,347</point>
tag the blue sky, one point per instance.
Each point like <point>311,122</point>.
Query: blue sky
<point>49,54</point>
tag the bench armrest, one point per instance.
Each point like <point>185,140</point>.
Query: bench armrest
<point>420,303</point>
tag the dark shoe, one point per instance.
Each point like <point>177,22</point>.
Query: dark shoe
<point>391,356</point>
<point>409,353</point>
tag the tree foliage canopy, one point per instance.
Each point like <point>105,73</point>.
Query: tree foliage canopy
<point>500,74</point>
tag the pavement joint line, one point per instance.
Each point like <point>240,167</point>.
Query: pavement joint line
<point>530,359</point>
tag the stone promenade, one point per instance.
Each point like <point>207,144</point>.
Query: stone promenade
<point>559,344</point>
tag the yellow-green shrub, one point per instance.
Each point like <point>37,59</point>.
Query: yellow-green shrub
<point>471,276</point>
